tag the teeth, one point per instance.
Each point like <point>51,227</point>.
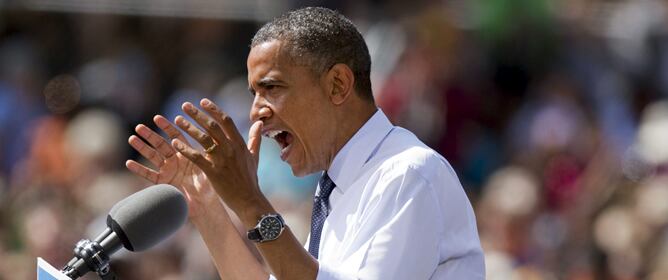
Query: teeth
<point>273,133</point>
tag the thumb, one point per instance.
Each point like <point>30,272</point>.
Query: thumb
<point>254,140</point>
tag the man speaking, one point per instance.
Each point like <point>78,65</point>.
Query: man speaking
<point>386,206</point>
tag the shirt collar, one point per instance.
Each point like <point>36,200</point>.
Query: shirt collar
<point>349,161</point>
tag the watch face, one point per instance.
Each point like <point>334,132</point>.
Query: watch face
<point>270,228</point>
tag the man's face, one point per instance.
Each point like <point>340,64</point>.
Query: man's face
<point>294,107</point>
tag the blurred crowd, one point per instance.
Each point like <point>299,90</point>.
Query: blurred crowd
<point>554,113</point>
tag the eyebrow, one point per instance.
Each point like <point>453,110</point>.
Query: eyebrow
<point>262,83</point>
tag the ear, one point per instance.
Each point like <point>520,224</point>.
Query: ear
<point>341,80</point>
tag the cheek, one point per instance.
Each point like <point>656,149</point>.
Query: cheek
<point>305,114</point>
<point>315,137</point>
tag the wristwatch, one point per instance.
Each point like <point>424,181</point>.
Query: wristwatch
<point>268,228</point>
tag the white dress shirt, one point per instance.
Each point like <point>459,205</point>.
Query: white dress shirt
<point>398,212</point>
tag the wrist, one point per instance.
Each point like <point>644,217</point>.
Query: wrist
<point>252,210</point>
<point>207,206</point>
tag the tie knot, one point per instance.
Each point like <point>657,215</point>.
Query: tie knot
<point>326,186</point>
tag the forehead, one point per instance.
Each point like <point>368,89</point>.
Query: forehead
<point>266,51</point>
<point>273,60</point>
<point>267,59</point>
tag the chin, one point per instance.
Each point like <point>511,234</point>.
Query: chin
<point>300,171</point>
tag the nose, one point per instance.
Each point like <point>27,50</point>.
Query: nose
<point>259,109</point>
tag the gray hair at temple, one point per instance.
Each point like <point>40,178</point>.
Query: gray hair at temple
<point>319,38</point>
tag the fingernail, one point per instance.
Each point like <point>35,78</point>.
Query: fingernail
<point>206,102</point>
<point>189,107</point>
<point>178,145</point>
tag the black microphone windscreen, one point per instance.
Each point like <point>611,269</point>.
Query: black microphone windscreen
<point>145,218</point>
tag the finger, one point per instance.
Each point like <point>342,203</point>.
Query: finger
<point>191,154</point>
<point>194,132</point>
<point>142,171</point>
<point>254,140</point>
<point>165,125</point>
<point>146,151</point>
<point>205,121</point>
<point>155,140</point>
<point>223,119</point>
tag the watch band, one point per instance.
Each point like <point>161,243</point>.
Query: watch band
<point>254,235</point>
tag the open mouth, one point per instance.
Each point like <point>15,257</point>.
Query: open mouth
<point>284,140</point>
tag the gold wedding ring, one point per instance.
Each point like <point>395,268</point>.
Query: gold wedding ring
<point>210,149</point>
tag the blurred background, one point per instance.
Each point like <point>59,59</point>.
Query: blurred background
<point>554,113</point>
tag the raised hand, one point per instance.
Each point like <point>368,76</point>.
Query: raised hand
<point>171,167</point>
<point>229,163</point>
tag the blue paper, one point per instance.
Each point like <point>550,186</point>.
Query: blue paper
<point>46,271</point>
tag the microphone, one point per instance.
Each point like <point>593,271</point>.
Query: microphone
<point>137,222</point>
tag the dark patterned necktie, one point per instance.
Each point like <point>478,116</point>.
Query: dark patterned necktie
<point>320,212</point>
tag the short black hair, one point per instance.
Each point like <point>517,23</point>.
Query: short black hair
<point>321,38</point>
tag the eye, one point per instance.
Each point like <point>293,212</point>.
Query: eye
<point>271,87</point>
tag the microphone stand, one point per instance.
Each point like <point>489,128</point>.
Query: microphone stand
<point>91,256</point>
